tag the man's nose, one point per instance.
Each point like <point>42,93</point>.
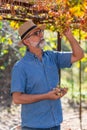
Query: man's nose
<point>41,35</point>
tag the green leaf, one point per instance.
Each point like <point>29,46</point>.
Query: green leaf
<point>0,25</point>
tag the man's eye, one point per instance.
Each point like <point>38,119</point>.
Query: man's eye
<point>36,33</point>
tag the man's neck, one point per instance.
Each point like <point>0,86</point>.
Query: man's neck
<point>37,51</point>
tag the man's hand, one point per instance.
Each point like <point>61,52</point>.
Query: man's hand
<point>68,32</point>
<point>57,93</point>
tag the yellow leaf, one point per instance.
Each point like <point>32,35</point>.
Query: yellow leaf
<point>85,4</point>
<point>1,17</point>
<point>5,51</point>
<point>12,24</point>
<point>52,28</point>
<point>2,67</point>
<point>78,65</point>
<point>85,58</point>
<point>9,41</point>
<point>76,10</point>
<point>16,26</point>
<point>85,70</point>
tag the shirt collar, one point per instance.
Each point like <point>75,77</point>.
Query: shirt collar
<point>29,54</point>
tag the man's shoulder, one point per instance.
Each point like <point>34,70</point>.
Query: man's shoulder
<point>50,52</point>
<point>18,63</point>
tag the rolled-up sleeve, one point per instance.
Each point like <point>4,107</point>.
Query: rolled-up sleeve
<point>18,80</point>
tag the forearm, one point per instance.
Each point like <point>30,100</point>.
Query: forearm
<point>76,49</point>
<point>77,52</point>
<point>54,94</point>
<point>19,98</point>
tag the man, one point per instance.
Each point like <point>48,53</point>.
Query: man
<point>35,78</point>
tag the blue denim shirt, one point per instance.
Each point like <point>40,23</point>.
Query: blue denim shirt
<point>32,76</point>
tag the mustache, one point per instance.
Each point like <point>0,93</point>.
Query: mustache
<point>40,41</point>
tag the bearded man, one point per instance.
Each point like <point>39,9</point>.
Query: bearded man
<point>35,78</point>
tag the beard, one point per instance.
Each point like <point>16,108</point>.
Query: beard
<point>42,43</point>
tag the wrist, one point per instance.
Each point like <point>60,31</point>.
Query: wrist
<point>46,96</point>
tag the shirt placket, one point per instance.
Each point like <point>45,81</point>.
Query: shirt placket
<point>53,113</point>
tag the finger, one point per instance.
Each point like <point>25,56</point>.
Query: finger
<point>62,93</point>
<point>57,89</point>
<point>59,94</point>
<point>65,90</point>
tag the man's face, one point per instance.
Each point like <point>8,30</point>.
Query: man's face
<point>35,38</point>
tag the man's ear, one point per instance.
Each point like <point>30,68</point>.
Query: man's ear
<point>26,42</point>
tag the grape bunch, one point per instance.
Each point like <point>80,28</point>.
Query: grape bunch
<point>61,17</point>
<point>61,91</point>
